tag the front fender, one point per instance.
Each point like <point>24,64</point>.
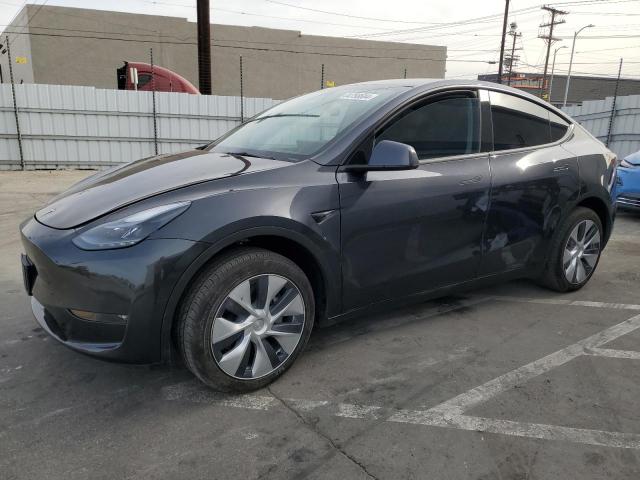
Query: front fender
<point>326,258</point>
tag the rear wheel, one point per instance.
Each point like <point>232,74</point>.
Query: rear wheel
<point>575,251</point>
<point>246,319</point>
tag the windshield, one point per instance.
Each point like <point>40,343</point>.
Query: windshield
<point>301,127</point>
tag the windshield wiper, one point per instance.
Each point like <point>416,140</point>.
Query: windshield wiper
<point>279,115</point>
<point>247,154</point>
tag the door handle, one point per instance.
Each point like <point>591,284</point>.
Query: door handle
<point>561,168</point>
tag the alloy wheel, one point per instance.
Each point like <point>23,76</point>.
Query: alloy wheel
<point>581,252</point>
<point>257,326</point>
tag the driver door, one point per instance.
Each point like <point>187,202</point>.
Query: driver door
<point>411,231</point>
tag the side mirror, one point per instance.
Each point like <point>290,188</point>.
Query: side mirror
<point>388,155</point>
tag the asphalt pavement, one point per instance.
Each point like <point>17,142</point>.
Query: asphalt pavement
<point>510,382</point>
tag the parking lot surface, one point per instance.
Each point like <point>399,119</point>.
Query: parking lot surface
<point>510,382</point>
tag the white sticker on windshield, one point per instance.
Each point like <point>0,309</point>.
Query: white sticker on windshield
<point>362,96</point>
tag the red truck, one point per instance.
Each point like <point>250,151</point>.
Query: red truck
<point>164,79</point>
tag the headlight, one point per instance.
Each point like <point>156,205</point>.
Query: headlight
<point>625,164</point>
<point>130,230</point>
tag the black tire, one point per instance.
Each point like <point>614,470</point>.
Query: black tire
<point>553,276</point>
<point>205,297</point>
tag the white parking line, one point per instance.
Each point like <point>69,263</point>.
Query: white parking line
<point>570,303</point>
<point>451,413</point>
<point>349,410</point>
<point>306,405</point>
<point>197,393</point>
<point>520,429</point>
<point>611,353</point>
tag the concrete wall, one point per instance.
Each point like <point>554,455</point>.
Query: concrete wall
<point>20,47</point>
<point>276,63</point>
<point>583,88</point>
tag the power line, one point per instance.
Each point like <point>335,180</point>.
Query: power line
<point>239,12</point>
<point>341,14</point>
<point>310,45</point>
<point>467,21</point>
<point>164,42</point>
<point>158,35</point>
<point>59,11</point>
<point>327,12</point>
<point>592,2</point>
<point>612,14</point>
<point>428,27</point>
<point>18,13</point>
<point>600,37</point>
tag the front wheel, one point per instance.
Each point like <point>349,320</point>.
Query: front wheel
<point>246,319</point>
<point>575,251</point>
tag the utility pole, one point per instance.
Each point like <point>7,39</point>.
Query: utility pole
<point>512,59</point>
<point>204,47</point>
<point>15,105</point>
<point>549,39</point>
<point>504,34</point>
<point>573,48</point>
<point>153,100</point>
<point>241,93</point>
<point>613,106</point>
<point>553,68</point>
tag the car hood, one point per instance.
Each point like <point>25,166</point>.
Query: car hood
<point>110,190</point>
<point>633,159</point>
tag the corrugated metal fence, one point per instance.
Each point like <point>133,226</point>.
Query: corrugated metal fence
<point>595,116</point>
<point>85,127</point>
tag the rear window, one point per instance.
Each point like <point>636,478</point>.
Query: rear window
<point>519,123</point>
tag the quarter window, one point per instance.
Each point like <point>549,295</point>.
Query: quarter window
<point>439,128</point>
<point>517,123</point>
<point>558,126</point>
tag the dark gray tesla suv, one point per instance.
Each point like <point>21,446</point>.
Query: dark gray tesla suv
<point>328,205</point>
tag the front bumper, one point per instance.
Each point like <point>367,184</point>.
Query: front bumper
<point>128,290</point>
<point>84,336</point>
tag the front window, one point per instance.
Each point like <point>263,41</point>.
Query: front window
<point>439,128</point>
<point>143,79</point>
<point>301,127</point>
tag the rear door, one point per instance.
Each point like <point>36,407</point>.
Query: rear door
<point>405,232</point>
<point>534,180</point>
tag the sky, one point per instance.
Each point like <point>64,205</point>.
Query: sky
<point>471,29</point>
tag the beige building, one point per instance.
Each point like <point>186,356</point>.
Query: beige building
<point>73,46</point>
